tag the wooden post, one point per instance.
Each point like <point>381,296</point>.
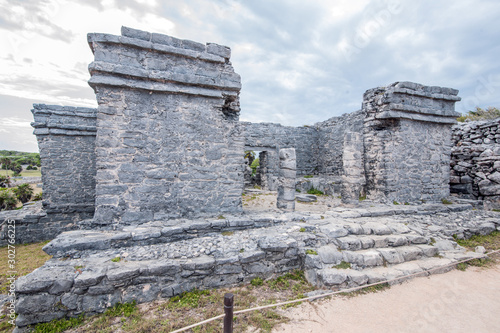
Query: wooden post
<point>228,310</point>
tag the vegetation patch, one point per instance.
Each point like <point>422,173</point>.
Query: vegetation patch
<point>227,233</point>
<point>59,325</point>
<point>28,258</point>
<point>343,265</point>
<point>446,202</point>
<point>308,176</point>
<point>490,242</point>
<point>312,252</point>
<point>315,191</point>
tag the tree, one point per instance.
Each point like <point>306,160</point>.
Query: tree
<point>23,192</point>
<point>255,164</point>
<point>6,163</point>
<point>8,200</point>
<point>480,114</point>
<point>17,169</point>
<point>4,181</point>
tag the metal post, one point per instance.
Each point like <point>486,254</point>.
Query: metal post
<point>228,310</point>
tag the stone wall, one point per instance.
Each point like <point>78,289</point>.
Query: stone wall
<point>66,140</point>
<point>331,141</point>
<point>475,161</point>
<point>270,137</point>
<point>169,143</point>
<point>407,141</point>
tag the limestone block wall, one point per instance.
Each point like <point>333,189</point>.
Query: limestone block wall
<point>270,138</point>
<point>407,141</point>
<point>66,140</point>
<point>475,161</point>
<point>168,142</point>
<point>331,141</point>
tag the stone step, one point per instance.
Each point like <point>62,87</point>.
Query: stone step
<point>355,243</point>
<point>70,243</point>
<point>349,278</point>
<point>328,256</point>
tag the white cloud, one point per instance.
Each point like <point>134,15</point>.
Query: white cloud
<point>292,55</point>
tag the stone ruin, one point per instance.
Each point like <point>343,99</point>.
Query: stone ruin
<point>155,175</point>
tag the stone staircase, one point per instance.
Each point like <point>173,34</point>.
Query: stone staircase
<point>359,254</point>
<point>94,269</point>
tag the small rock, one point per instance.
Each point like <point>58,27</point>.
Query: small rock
<point>480,249</point>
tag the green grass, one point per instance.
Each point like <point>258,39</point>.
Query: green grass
<point>116,259</point>
<point>312,252</point>
<point>59,325</point>
<point>188,299</point>
<point>302,229</point>
<point>256,282</point>
<point>315,191</point>
<point>227,233</point>
<point>28,258</point>
<point>446,202</point>
<point>309,176</point>
<point>343,265</point>
<point>24,173</point>
<point>490,242</point>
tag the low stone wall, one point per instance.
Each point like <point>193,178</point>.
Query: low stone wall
<point>475,161</point>
<point>33,224</point>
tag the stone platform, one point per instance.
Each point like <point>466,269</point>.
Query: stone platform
<point>92,270</point>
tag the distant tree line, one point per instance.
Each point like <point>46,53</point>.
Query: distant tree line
<point>14,160</point>
<point>480,114</point>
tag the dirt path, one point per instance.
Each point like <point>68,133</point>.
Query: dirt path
<point>453,302</point>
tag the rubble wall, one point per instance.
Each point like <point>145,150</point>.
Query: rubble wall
<point>168,142</point>
<point>475,161</point>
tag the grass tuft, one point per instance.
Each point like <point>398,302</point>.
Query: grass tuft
<point>343,265</point>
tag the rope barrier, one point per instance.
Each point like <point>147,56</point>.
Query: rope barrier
<point>311,298</point>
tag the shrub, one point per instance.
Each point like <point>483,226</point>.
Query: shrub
<point>314,191</point>
<point>37,197</point>
<point>4,181</point>
<point>480,114</point>
<point>24,192</point>
<point>8,200</point>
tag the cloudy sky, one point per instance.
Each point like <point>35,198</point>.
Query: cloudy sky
<point>300,61</point>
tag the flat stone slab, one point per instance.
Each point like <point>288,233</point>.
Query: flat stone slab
<point>306,197</point>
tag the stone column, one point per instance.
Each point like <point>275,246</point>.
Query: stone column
<point>407,141</point>
<point>66,140</point>
<point>353,177</point>
<point>286,180</point>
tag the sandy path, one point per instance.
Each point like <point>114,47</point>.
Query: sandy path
<point>453,302</point>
